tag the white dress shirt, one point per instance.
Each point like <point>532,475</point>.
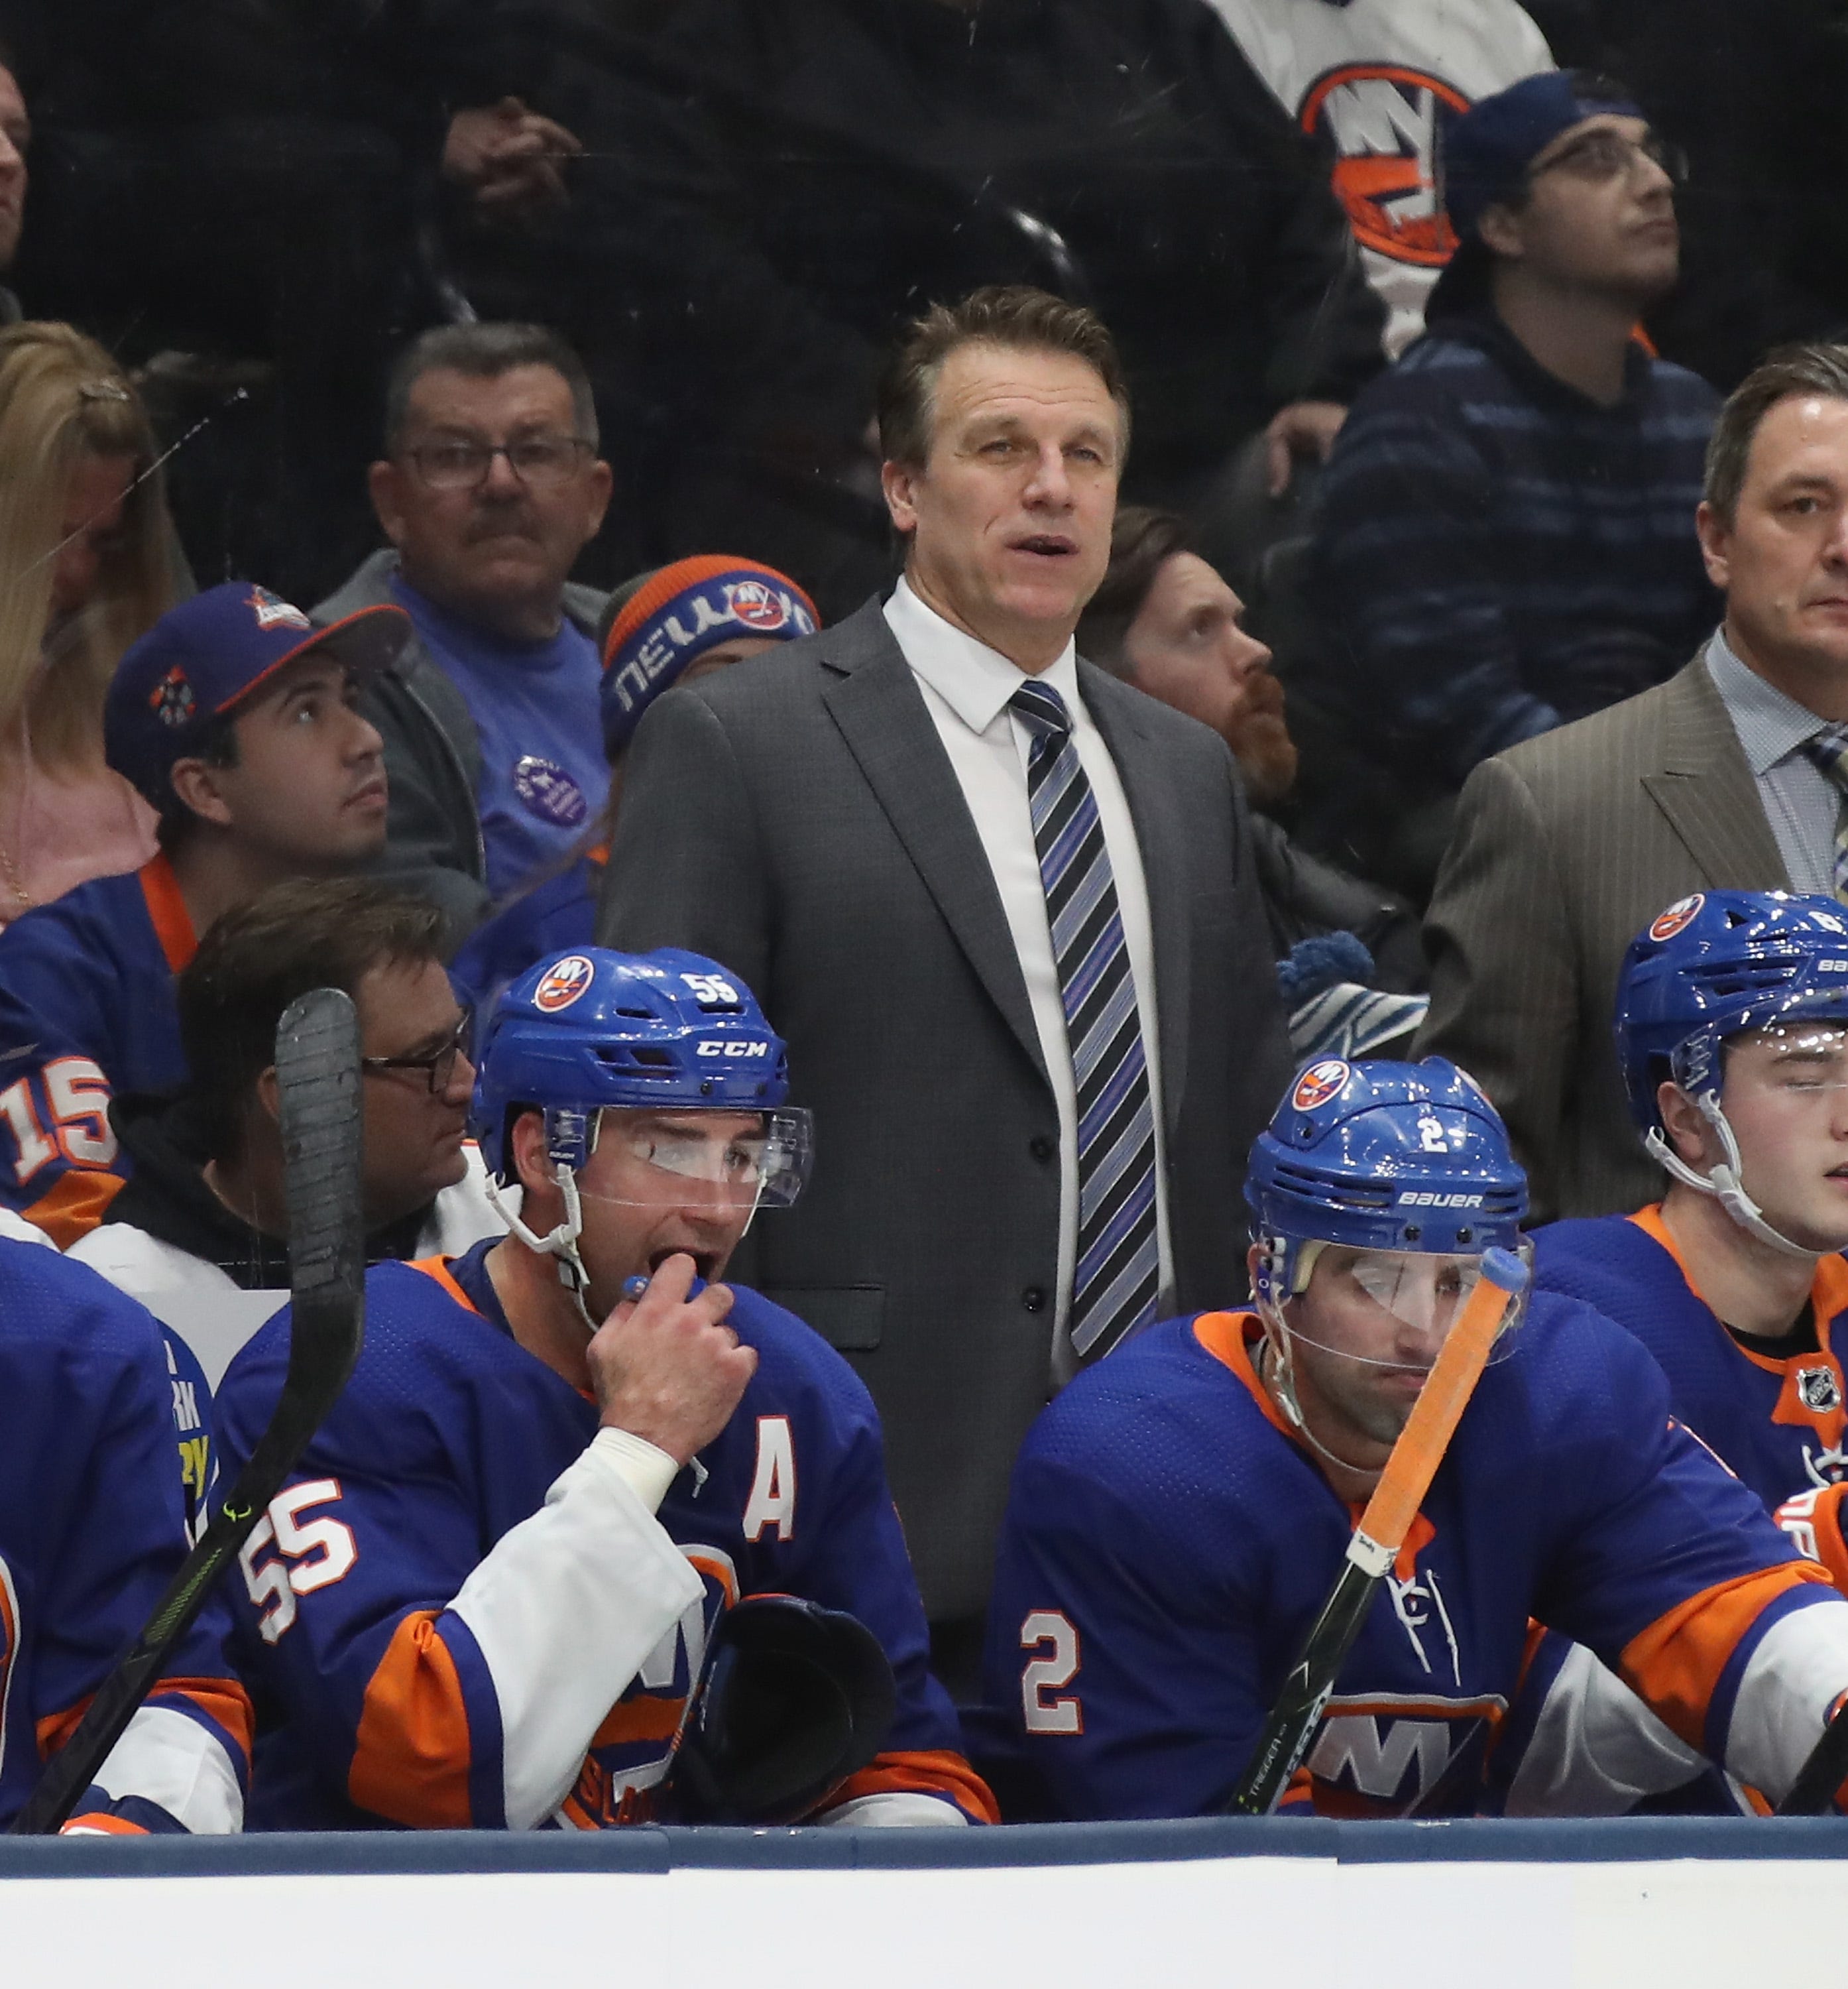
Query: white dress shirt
<point>966,686</point>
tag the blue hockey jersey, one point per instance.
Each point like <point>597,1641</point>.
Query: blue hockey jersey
<point>86,1010</point>
<point>470,1622</point>
<point>1778,1423</point>
<point>92,1528</point>
<point>1169,1541</point>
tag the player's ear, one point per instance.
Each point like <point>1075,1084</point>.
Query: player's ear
<point>532,1164</point>
<point>269,1095</point>
<point>1687,1131</point>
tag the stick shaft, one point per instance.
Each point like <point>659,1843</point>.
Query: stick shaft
<point>1285,1737</point>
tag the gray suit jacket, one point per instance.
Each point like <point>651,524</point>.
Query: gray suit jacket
<point>1565,848</point>
<point>798,819</point>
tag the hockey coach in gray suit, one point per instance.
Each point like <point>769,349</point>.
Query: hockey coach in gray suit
<point>1730,776</point>
<point>1002,908</point>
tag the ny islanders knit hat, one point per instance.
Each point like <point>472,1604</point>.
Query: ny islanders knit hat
<point>203,658</point>
<point>656,626</point>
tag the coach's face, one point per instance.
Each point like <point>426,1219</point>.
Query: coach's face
<point>1009,516</point>
<point>1783,556</point>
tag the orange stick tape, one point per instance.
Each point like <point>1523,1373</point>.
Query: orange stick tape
<point>1435,1415</point>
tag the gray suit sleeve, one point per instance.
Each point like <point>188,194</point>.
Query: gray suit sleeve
<point>1505,997</point>
<point>685,866</point>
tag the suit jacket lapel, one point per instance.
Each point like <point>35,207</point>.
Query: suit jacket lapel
<point>1161,834</point>
<point>1706,789</point>
<point>880,711</point>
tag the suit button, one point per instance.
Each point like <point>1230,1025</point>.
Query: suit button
<point>1042,1148</point>
<point>1033,1298</point>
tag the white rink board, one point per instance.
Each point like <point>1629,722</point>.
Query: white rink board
<point>1334,1925</point>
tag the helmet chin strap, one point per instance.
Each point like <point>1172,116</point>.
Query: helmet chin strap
<point>561,1242</point>
<point>1726,1182</point>
<point>1282,1381</point>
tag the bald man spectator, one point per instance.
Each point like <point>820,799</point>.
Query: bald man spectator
<point>490,487</point>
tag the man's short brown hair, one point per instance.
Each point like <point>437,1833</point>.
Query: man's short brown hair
<point>325,931</point>
<point>1011,315</point>
<point>1789,372</point>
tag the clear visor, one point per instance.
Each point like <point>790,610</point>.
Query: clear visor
<point>1388,1308</point>
<point>1801,1065</point>
<point>744,1160</point>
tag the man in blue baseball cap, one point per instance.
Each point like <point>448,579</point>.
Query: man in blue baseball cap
<point>566,1456</point>
<point>1506,538</point>
<point>237,718</point>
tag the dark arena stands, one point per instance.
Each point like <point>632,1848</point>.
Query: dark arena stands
<point>1078,771</point>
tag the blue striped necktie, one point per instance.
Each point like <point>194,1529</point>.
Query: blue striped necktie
<point>1113,1292</point>
<point>1829,749</point>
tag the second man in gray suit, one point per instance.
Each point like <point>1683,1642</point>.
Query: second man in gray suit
<point>1002,909</point>
<point>1730,776</point>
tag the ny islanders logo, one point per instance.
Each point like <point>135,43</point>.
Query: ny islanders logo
<point>1384,124</point>
<point>566,980</point>
<point>1318,1084</point>
<point>272,611</point>
<point>1679,916</point>
<point>171,700</point>
<point>758,608</point>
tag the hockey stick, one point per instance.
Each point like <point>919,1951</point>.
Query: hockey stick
<point>318,1074</point>
<point>1824,1771</point>
<point>1286,1734</point>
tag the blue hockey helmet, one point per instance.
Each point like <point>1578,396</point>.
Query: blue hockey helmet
<point>588,1028</point>
<point>1380,1156</point>
<point>1710,968</point>
<point>1713,966</point>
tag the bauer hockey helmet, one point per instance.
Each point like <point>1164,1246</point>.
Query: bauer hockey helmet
<point>1710,968</point>
<point>1380,1156</point>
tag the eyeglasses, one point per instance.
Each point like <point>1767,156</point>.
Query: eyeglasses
<point>541,461</point>
<point>1600,157</point>
<point>438,1066</point>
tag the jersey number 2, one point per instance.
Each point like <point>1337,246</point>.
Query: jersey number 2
<point>1060,1667</point>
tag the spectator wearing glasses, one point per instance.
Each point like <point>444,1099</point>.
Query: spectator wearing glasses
<point>1507,540</point>
<point>489,488</point>
<point>200,1235</point>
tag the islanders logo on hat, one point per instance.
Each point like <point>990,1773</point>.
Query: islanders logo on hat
<point>758,606</point>
<point>563,983</point>
<point>1679,916</point>
<point>171,700</point>
<point>272,611</point>
<point>1318,1084</point>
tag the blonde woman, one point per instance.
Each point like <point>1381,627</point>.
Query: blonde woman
<point>85,568</point>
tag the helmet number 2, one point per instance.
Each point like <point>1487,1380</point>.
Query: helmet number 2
<point>710,987</point>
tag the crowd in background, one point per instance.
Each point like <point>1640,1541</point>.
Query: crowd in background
<point>542,351</point>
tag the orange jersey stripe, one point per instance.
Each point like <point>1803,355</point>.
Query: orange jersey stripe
<point>931,1772</point>
<point>411,1758</point>
<point>102,1822</point>
<point>223,1700</point>
<point>70,1210</point>
<point>640,1720</point>
<point>1675,1665</point>
<point>166,908</point>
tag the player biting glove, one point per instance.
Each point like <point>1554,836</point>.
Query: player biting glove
<point>487,1597</point>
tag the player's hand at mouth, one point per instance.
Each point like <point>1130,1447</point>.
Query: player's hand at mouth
<point>667,1368</point>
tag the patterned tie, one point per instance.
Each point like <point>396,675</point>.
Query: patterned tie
<point>1829,749</point>
<point>1113,1292</point>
